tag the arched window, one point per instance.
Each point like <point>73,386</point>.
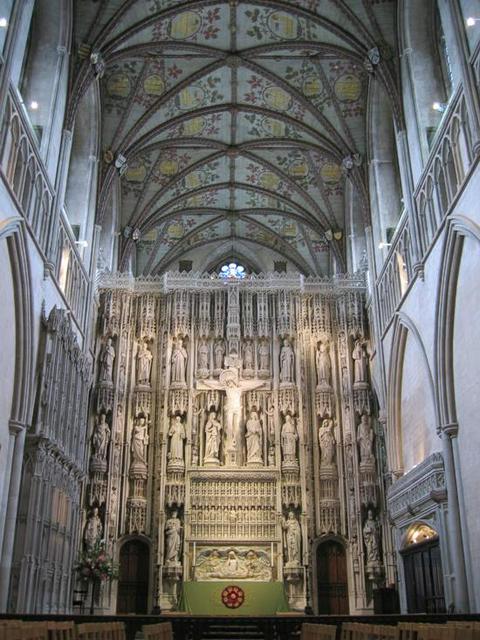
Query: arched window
<point>232,270</point>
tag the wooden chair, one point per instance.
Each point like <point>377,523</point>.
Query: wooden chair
<point>318,631</point>
<point>160,631</point>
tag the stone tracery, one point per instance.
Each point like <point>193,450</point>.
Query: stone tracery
<point>231,437</point>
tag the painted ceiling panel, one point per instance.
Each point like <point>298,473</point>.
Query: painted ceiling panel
<point>149,174</point>
<point>204,27</point>
<point>133,86</point>
<point>234,119</point>
<point>207,91</point>
<point>259,25</point>
<point>210,126</point>
<point>253,126</point>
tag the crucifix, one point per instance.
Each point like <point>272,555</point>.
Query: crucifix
<point>234,388</point>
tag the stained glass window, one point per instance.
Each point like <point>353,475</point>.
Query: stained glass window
<point>232,270</point>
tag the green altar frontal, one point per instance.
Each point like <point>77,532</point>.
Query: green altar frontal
<point>245,599</point>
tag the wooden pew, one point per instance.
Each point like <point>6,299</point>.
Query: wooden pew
<point>61,631</point>
<point>362,631</point>
<point>101,631</point>
<point>318,631</point>
<point>160,631</point>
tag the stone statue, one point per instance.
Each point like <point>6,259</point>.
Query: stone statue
<point>179,362</point>
<point>93,529</point>
<point>324,365</point>
<point>177,435</point>
<point>286,362</point>
<point>173,540</point>
<point>371,537</point>
<point>139,441</point>
<point>202,362</point>
<point>101,438</point>
<point>144,363</point>
<point>212,439</point>
<point>326,440</point>
<point>219,354</point>
<point>254,439</point>
<point>360,362</point>
<point>233,407</point>
<point>264,356</point>
<point>293,540</point>
<point>289,439</point>
<point>106,362</point>
<point>365,439</point>
<point>248,356</point>
<point>345,382</point>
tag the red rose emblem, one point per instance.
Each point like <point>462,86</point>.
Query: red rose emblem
<point>233,597</point>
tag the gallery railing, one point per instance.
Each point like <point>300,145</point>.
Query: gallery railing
<point>25,173</point>
<point>396,273</point>
<point>30,187</point>
<point>442,179</point>
<point>447,167</point>
<point>71,275</point>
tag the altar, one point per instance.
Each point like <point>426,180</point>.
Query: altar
<point>223,598</point>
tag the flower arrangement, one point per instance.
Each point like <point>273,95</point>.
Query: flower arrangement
<point>96,565</point>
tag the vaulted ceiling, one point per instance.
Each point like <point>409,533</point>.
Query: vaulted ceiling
<point>240,122</point>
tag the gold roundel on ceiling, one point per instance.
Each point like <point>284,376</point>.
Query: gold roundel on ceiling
<point>194,127</point>
<point>118,85</point>
<point>194,180</point>
<point>154,85</point>
<point>185,25</point>
<point>282,25</point>
<point>175,230</point>
<point>168,167</point>
<point>298,169</point>
<point>276,98</point>
<point>274,128</point>
<point>331,172</point>
<point>348,88</point>
<point>190,97</point>
<point>269,180</point>
<point>312,86</point>
<point>289,230</point>
<point>136,173</point>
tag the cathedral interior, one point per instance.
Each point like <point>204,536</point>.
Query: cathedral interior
<point>240,328</point>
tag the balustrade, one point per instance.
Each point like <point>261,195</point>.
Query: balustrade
<point>449,162</point>
<point>396,273</point>
<point>27,177</point>
<point>25,173</point>
<point>70,273</point>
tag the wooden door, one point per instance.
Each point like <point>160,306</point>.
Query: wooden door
<point>424,578</point>
<point>133,579</point>
<point>332,583</point>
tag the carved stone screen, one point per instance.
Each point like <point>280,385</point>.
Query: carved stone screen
<point>233,431</point>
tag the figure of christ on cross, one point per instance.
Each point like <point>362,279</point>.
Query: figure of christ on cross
<point>234,388</point>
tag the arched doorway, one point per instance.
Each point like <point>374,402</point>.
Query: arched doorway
<point>332,583</point>
<point>133,579</point>
<point>422,564</point>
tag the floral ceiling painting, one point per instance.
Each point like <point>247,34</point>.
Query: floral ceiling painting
<point>227,124</point>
